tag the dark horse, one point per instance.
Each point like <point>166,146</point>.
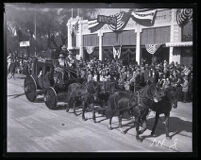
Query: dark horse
<point>82,93</point>
<point>105,89</point>
<point>164,107</point>
<point>137,104</point>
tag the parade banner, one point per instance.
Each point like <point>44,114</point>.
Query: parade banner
<point>152,48</point>
<point>90,49</point>
<point>183,16</point>
<point>116,52</point>
<point>145,18</point>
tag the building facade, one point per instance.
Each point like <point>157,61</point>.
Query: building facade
<point>175,41</point>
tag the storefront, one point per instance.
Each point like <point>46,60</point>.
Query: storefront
<point>134,41</point>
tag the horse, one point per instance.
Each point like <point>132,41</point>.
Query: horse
<point>82,93</point>
<point>119,103</point>
<point>147,96</point>
<point>137,104</point>
<point>105,89</point>
<point>169,101</point>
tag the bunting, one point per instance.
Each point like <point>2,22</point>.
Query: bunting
<point>183,16</point>
<point>94,25</point>
<point>152,48</point>
<point>90,49</point>
<point>115,22</point>
<point>117,52</point>
<point>122,20</point>
<point>118,21</point>
<point>142,17</point>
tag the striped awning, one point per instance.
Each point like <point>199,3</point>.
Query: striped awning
<point>179,44</point>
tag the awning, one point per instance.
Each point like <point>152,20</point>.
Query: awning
<point>179,44</point>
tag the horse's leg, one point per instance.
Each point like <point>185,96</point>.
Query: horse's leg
<point>155,124</point>
<point>74,108</point>
<point>110,122</point>
<point>120,122</point>
<point>137,130</point>
<point>144,126</point>
<point>166,123</point>
<point>94,113</point>
<point>83,111</point>
<point>68,105</point>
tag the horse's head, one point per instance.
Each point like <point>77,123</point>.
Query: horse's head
<point>93,88</point>
<point>155,93</point>
<point>133,100</point>
<point>172,95</point>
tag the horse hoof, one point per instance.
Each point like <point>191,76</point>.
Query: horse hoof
<point>109,127</point>
<point>123,132</point>
<point>67,109</point>
<point>84,119</point>
<point>139,139</point>
<point>168,137</point>
<point>153,134</point>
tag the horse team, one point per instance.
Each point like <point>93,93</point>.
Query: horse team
<point>111,100</point>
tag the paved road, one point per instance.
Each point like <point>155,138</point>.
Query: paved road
<point>32,127</point>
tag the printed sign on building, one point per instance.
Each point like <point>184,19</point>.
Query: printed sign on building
<point>24,43</point>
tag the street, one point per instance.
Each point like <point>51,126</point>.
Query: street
<point>32,127</point>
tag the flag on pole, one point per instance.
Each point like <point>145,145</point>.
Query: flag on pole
<point>116,52</point>
<point>152,48</point>
<point>183,16</point>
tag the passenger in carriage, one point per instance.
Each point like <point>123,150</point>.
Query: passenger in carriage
<point>61,60</point>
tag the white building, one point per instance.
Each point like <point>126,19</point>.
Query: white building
<point>175,45</point>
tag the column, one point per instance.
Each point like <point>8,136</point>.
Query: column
<point>100,35</point>
<point>175,36</point>
<point>138,31</point>
<point>69,35</point>
<point>80,40</point>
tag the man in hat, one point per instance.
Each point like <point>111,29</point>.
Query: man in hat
<point>61,60</point>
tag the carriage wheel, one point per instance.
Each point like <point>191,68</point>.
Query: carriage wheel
<point>30,88</point>
<point>50,98</point>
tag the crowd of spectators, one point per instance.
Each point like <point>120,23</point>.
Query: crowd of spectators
<point>133,76</point>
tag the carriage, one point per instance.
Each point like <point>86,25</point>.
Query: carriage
<point>49,80</point>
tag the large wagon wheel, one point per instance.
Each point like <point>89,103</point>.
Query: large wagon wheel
<point>50,98</point>
<point>30,88</point>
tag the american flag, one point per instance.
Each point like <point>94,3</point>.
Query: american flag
<point>152,48</point>
<point>117,51</point>
<point>183,16</point>
<point>94,25</point>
